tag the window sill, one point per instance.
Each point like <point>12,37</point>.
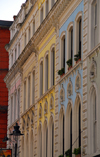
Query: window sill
<point>79,64</point>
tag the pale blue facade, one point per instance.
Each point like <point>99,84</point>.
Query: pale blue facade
<point>79,69</point>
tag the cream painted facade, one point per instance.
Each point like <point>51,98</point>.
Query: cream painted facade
<point>91,77</point>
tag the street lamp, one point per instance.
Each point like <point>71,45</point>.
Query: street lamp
<point>16,132</point>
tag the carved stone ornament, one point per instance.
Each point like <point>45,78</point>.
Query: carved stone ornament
<point>51,102</point>
<point>32,117</point>
<point>62,94</point>
<point>28,121</point>
<point>46,107</point>
<point>40,111</point>
<point>69,88</point>
<point>78,82</point>
<point>93,70</point>
<point>23,124</point>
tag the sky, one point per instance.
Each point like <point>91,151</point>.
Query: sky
<point>9,8</point>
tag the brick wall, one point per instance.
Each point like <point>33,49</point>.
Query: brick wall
<point>4,39</point>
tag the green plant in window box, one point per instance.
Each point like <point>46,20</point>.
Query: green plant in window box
<point>77,57</point>
<point>68,153</point>
<point>77,152</point>
<point>60,156</point>
<point>61,72</point>
<point>69,62</point>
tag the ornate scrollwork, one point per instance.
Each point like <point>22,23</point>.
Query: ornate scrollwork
<point>93,70</point>
<point>46,107</point>
<point>69,88</point>
<point>78,81</point>
<point>62,94</point>
<point>51,102</point>
<point>40,111</point>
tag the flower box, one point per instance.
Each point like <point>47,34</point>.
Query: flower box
<point>69,67</point>
<point>78,60</point>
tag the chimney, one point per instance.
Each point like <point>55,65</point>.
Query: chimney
<point>14,17</point>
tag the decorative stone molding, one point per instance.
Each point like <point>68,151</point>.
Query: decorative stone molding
<point>93,70</point>
<point>46,107</point>
<point>62,94</point>
<point>51,102</point>
<point>78,82</point>
<point>69,88</point>
<point>40,111</point>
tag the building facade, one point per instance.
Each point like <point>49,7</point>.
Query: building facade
<point>4,59</point>
<point>48,39</point>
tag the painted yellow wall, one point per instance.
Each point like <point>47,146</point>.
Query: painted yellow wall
<point>47,97</point>
<point>42,53</point>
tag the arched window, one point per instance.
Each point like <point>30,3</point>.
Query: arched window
<point>15,54</point>
<point>24,95</point>
<point>32,144</point>
<point>52,67</point>
<point>46,72</point>
<point>40,141</point>
<point>78,121</point>
<point>22,146</point>
<point>51,141</point>
<point>15,106</point>
<point>11,110</point>
<point>11,59</point>
<point>18,49</point>
<point>25,38</point>
<point>33,27</point>
<point>70,45</point>
<point>18,103</point>
<point>52,3</point>
<point>78,36</point>
<point>45,139</point>
<point>41,15</point>
<point>29,34</point>
<point>47,6</point>
<point>27,145</point>
<point>79,125</point>
<point>62,132</point>
<point>41,78</point>
<point>29,81</point>
<point>63,52</point>
<point>33,87</point>
<point>93,120</point>
<point>94,23</point>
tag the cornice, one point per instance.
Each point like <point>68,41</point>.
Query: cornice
<point>19,62</point>
<point>32,46</point>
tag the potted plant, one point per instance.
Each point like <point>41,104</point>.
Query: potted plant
<point>69,63</point>
<point>77,57</point>
<point>77,152</point>
<point>68,153</point>
<point>61,72</point>
<point>61,155</point>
